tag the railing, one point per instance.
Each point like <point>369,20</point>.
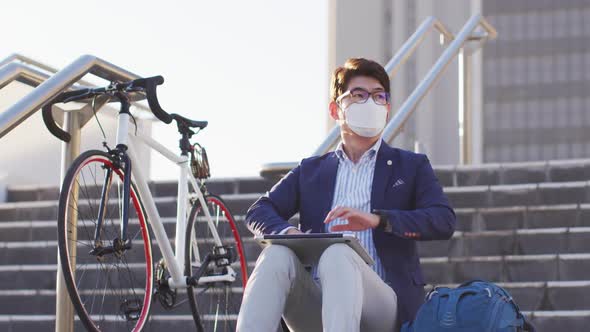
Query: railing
<point>48,87</point>
<point>401,56</point>
<point>20,73</point>
<point>467,34</point>
<point>15,57</point>
<point>394,126</point>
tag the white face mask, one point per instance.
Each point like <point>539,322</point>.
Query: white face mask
<point>367,120</point>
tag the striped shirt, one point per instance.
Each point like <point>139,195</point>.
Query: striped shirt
<point>353,190</point>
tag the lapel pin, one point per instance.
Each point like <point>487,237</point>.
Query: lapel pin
<point>389,162</point>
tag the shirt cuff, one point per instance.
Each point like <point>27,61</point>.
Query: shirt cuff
<point>286,229</point>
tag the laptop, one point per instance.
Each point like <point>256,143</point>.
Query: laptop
<point>309,246</point>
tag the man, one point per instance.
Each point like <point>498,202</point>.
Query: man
<point>389,198</point>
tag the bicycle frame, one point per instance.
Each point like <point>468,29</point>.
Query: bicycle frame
<point>174,259</point>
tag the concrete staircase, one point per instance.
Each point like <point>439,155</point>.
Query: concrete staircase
<point>525,226</point>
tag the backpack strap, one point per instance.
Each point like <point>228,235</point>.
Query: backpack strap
<point>521,319</point>
<point>450,311</point>
<point>527,326</point>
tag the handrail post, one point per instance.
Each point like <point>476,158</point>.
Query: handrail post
<point>465,107</point>
<point>64,310</point>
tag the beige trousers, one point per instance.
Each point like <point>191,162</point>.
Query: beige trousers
<point>351,297</point>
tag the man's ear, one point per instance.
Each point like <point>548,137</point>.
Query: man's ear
<point>334,110</point>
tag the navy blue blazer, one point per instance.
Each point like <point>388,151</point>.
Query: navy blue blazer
<point>404,188</point>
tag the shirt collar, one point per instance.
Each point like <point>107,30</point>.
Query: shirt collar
<point>371,153</point>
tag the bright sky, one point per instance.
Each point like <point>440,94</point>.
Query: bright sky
<point>256,70</point>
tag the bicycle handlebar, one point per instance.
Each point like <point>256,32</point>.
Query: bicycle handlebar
<point>150,85</point>
<point>52,127</point>
<point>147,85</point>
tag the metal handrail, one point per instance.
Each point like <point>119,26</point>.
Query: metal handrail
<point>394,127</point>
<point>48,71</point>
<point>26,60</point>
<point>396,124</point>
<point>401,56</point>
<point>54,85</point>
<point>20,73</point>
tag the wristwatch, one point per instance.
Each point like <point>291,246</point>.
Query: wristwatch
<point>384,224</point>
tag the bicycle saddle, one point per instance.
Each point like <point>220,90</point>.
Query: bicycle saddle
<point>181,120</point>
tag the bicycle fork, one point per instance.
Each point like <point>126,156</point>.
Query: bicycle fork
<point>122,243</point>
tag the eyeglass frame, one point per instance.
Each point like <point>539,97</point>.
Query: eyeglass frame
<point>371,94</point>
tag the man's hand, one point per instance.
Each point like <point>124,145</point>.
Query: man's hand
<point>357,220</point>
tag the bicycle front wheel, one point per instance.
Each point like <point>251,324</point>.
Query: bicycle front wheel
<point>215,302</point>
<point>109,281</point>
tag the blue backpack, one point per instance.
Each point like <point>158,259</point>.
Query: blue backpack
<point>474,306</point>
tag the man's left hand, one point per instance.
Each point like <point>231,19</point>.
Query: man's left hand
<point>357,220</point>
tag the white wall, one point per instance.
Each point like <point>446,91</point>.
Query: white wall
<point>30,155</point>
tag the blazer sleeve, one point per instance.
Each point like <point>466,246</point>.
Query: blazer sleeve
<point>269,214</point>
<point>433,217</point>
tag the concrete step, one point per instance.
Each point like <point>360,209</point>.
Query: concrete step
<point>238,204</point>
<point>513,268</point>
<point>523,217</point>
<point>554,172</point>
<point>500,173</point>
<point>511,242</point>
<point>47,230</point>
<point>460,197</point>
<point>462,244</point>
<point>519,194</point>
<point>42,302</point>
<point>468,220</point>
<point>560,320</point>
<point>42,323</point>
<point>220,186</point>
<point>566,320</point>
<point>437,270</point>
<point>530,296</point>
<point>513,173</point>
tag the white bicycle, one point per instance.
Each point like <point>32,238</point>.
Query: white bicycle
<point>107,215</point>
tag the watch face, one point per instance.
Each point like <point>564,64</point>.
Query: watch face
<point>388,228</point>
<point>384,224</point>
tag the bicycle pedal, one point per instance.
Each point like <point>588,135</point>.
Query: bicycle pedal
<point>131,309</point>
<point>224,258</point>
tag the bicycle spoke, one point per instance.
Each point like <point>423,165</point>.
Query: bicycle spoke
<point>217,303</point>
<point>109,279</point>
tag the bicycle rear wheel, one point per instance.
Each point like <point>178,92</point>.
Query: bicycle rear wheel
<point>215,305</point>
<point>110,285</point>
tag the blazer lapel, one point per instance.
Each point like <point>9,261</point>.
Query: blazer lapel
<point>328,171</point>
<point>384,166</point>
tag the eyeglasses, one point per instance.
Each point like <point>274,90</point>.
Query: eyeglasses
<point>360,96</point>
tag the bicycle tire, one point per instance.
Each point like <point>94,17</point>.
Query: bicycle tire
<point>200,300</point>
<point>126,309</point>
